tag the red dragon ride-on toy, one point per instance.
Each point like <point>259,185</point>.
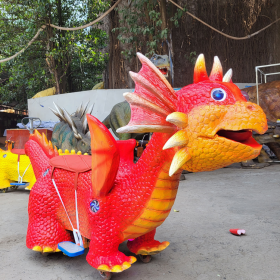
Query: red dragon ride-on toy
<point>106,198</point>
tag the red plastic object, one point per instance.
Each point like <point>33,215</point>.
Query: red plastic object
<point>21,136</point>
<point>237,231</point>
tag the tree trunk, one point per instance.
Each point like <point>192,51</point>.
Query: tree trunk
<point>164,22</point>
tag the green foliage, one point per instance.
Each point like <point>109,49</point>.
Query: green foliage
<point>76,57</point>
<point>191,57</point>
<point>142,26</point>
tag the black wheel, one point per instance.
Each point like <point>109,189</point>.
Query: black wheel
<point>13,187</point>
<point>4,190</point>
<point>105,275</point>
<point>145,258</point>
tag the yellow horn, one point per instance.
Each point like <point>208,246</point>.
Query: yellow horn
<point>178,118</point>
<point>180,138</point>
<point>180,158</point>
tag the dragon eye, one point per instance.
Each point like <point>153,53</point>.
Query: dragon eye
<point>218,94</point>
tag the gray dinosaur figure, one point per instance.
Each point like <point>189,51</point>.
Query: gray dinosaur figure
<point>162,63</point>
<point>118,117</point>
<point>72,132</point>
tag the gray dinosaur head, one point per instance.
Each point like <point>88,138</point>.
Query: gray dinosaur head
<point>162,63</point>
<point>80,139</point>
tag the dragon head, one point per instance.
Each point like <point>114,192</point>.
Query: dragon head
<point>212,121</point>
<point>215,122</point>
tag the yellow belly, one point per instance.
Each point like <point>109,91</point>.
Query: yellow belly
<point>158,207</point>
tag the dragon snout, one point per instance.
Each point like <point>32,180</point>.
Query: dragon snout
<point>245,115</point>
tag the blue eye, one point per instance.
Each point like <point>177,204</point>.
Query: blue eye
<point>218,94</point>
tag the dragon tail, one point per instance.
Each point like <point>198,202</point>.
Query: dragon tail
<point>152,101</point>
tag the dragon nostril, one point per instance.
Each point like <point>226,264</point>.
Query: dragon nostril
<point>251,107</point>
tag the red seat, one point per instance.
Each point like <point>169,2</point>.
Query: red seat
<point>73,163</point>
<point>18,152</point>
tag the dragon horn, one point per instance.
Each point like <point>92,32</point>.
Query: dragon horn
<point>79,109</point>
<point>84,110</point>
<point>217,71</point>
<point>200,73</point>
<point>84,121</point>
<point>227,77</point>
<point>60,111</point>
<point>57,114</point>
<point>72,124</point>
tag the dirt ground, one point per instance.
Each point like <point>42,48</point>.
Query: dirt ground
<point>201,248</point>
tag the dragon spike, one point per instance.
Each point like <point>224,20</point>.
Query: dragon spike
<point>180,138</point>
<point>178,118</point>
<point>59,111</point>
<point>50,145</point>
<point>217,71</point>
<point>84,121</point>
<point>45,140</point>
<point>180,158</point>
<point>85,124</point>
<point>79,109</point>
<point>227,77</point>
<point>84,109</point>
<point>44,143</point>
<point>200,73</point>
<point>56,151</point>
<point>57,114</point>
<point>78,136</point>
<point>72,124</point>
<point>137,100</point>
<point>145,128</point>
<point>68,118</point>
<point>38,134</point>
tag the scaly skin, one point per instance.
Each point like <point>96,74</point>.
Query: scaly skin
<point>142,194</point>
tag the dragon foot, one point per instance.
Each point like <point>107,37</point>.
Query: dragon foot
<point>45,249</point>
<point>119,267</point>
<point>148,248</point>
<point>114,263</point>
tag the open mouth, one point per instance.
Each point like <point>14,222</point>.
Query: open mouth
<point>241,136</point>
<point>163,70</point>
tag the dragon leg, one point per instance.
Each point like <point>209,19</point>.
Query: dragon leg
<point>44,230</point>
<point>146,244</point>
<point>104,254</point>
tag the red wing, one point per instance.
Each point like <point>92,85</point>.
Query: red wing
<point>105,157</point>
<point>153,100</point>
